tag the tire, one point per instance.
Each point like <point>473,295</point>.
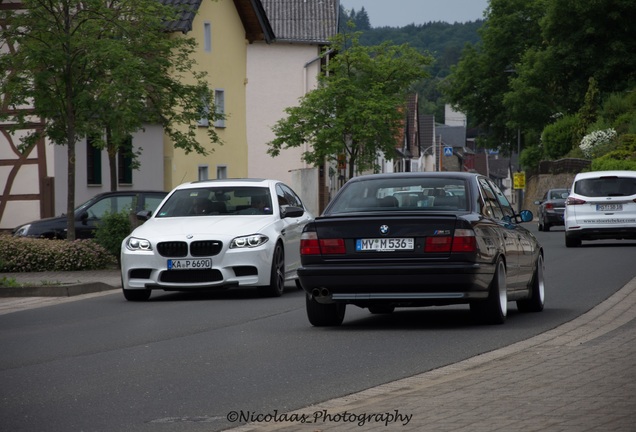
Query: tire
<point>540,225</point>
<point>381,309</point>
<point>546,227</point>
<point>276,285</point>
<point>136,295</point>
<point>535,302</point>
<point>571,241</point>
<point>324,315</point>
<point>494,309</point>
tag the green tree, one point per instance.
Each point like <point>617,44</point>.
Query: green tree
<point>358,107</point>
<point>479,82</point>
<point>580,41</point>
<point>91,67</point>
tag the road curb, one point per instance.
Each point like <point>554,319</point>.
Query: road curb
<point>66,290</point>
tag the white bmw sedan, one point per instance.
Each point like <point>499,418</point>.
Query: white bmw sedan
<point>216,234</point>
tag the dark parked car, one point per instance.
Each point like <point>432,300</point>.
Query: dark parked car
<point>88,215</point>
<point>551,208</point>
<point>370,250</point>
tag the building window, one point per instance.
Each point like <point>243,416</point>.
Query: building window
<point>125,162</point>
<point>219,107</point>
<point>205,112</point>
<point>207,37</point>
<point>221,172</point>
<point>203,172</point>
<point>93,163</point>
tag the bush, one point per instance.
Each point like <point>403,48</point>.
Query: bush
<point>559,137</point>
<point>20,254</point>
<point>112,230</point>
<point>615,160</point>
<point>530,157</point>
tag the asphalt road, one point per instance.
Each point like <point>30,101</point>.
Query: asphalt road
<point>183,362</point>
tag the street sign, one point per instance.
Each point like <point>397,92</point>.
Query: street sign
<point>519,180</point>
<point>448,151</point>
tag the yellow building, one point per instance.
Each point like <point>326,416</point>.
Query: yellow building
<point>223,30</point>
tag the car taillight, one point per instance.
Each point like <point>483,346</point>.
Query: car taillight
<point>332,246</point>
<point>549,206</point>
<point>574,201</point>
<point>438,244</point>
<point>310,244</point>
<point>464,241</point>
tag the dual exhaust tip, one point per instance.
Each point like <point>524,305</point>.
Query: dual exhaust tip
<point>320,292</point>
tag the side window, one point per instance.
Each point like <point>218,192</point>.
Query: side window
<point>110,205</point>
<point>491,209</point>
<point>292,198</point>
<point>280,196</point>
<point>503,201</point>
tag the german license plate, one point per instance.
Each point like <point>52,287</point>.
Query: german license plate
<point>609,207</point>
<point>384,244</point>
<point>189,264</point>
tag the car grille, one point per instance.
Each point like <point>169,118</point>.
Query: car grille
<point>197,249</point>
<point>191,276</point>
<point>205,248</point>
<point>172,249</point>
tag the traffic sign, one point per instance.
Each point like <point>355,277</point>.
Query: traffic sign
<point>519,180</point>
<point>448,151</point>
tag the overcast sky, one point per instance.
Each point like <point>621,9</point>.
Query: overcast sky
<point>399,13</point>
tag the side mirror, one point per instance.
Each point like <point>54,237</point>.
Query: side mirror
<point>537,202</point>
<point>143,215</point>
<point>83,218</point>
<point>291,211</point>
<point>526,215</point>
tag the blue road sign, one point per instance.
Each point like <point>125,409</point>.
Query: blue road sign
<point>448,151</point>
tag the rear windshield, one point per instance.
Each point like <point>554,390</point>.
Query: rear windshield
<point>401,194</point>
<point>606,186</point>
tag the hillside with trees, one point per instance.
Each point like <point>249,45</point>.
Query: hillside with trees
<point>444,42</point>
<point>561,74</point>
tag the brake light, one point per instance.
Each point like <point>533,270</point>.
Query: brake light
<point>574,201</point>
<point>332,246</point>
<point>464,241</point>
<point>310,244</point>
<point>549,206</point>
<point>438,244</point>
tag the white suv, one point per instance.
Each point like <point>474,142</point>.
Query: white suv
<point>601,205</point>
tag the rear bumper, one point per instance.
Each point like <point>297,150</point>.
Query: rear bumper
<point>397,284</point>
<point>554,218</point>
<point>600,233</point>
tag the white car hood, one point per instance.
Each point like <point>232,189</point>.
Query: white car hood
<point>216,226</point>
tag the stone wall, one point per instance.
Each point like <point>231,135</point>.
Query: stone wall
<point>551,175</point>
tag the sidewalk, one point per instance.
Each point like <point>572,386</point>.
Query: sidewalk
<point>47,288</point>
<point>578,377</point>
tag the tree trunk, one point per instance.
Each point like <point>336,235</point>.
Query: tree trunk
<point>111,149</point>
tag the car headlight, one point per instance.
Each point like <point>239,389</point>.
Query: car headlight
<point>22,231</point>
<point>249,241</point>
<point>138,244</point>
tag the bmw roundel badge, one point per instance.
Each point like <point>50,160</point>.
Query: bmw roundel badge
<point>384,229</point>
